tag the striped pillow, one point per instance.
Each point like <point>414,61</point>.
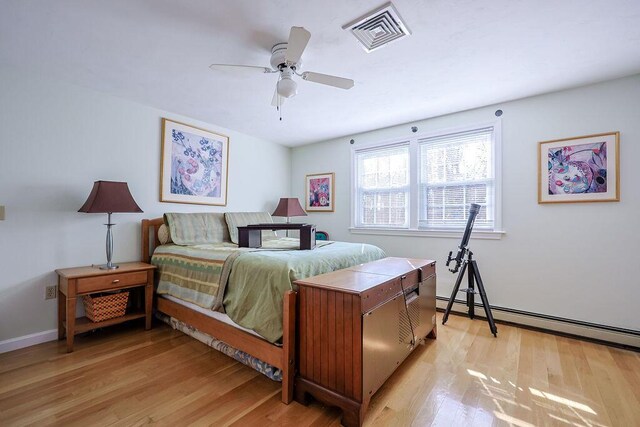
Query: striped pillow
<point>196,228</point>
<point>240,219</point>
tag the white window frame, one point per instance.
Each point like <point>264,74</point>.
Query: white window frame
<point>354,187</point>
<point>414,186</point>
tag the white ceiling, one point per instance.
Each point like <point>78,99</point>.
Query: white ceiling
<point>462,54</point>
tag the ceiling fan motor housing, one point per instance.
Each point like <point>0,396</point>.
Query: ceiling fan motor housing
<point>278,55</point>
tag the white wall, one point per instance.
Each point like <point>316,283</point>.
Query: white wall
<point>579,261</point>
<point>55,141</point>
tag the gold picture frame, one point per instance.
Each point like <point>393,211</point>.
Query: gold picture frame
<point>194,166</point>
<point>320,192</point>
<point>579,169</point>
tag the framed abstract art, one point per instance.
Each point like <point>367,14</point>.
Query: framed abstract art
<point>319,192</point>
<point>194,165</point>
<point>580,169</point>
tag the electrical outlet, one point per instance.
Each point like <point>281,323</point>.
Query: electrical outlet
<point>51,292</point>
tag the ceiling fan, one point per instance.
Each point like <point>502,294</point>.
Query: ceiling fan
<point>285,60</point>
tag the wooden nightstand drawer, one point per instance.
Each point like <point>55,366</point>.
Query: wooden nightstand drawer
<point>110,281</point>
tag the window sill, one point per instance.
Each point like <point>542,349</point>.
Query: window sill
<point>457,234</point>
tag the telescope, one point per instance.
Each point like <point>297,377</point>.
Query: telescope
<point>464,261</point>
<point>462,249</point>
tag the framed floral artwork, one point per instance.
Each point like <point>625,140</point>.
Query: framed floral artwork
<point>194,165</point>
<point>579,169</point>
<point>319,192</point>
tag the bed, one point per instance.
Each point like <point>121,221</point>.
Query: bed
<point>239,300</point>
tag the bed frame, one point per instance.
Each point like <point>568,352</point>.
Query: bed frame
<point>280,357</point>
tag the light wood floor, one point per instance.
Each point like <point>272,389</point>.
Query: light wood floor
<point>466,377</point>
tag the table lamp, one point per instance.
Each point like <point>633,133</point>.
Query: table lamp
<point>109,197</point>
<point>288,207</point>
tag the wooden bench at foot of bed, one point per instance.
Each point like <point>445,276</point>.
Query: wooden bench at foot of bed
<point>279,357</point>
<point>383,308</point>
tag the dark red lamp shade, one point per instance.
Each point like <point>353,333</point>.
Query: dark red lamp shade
<point>289,207</point>
<point>110,197</point>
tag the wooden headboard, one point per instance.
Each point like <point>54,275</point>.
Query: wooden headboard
<point>150,226</point>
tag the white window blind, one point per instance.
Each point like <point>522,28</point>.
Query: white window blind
<point>456,170</point>
<point>382,186</point>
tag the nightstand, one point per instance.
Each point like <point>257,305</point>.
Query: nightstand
<point>75,282</point>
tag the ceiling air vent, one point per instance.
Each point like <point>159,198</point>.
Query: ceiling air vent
<point>378,28</point>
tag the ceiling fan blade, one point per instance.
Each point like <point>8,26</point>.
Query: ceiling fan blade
<point>277,100</point>
<point>326,79</point>
<point>298,39</point>
<point>240,67</point>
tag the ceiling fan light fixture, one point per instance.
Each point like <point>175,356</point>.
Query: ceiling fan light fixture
<point>287,87</point>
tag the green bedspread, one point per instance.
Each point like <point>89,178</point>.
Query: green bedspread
<point>250,283</point>
<point>193,273</point>
<point>259,280</point>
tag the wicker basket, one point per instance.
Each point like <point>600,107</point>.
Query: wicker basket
<point>100,308</point>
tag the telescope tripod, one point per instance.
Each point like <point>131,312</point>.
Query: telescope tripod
<point>474,276</point>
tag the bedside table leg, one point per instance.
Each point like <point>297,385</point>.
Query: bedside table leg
<point>148,305</point>
<point>62,312</point>
<point>71,323</point>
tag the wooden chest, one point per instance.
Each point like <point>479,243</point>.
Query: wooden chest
<point>345,315</point>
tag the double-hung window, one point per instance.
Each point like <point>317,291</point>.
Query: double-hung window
<point>456,170</point>
<point>427,183</point>
<point>383,186</point>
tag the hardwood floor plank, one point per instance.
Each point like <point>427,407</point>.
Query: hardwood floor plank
<point>145,392</point>
<point>466,377</point>
<point>628,364</point>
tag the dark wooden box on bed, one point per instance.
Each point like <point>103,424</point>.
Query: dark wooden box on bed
<point>280,357</point>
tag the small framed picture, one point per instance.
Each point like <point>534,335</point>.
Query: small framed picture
<point>319,191</point>
<point>194,165</point>
<point>579,169</point>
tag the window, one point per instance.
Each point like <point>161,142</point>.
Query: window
<point>455,171</point>
<point>383,186</point>
<point>428,182</point>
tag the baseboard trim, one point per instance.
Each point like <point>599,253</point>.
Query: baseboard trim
<point>28,340</point>
<point>602,333</point>
<point>576,328</point>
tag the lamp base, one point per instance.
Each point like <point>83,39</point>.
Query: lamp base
<point>109,265</point>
